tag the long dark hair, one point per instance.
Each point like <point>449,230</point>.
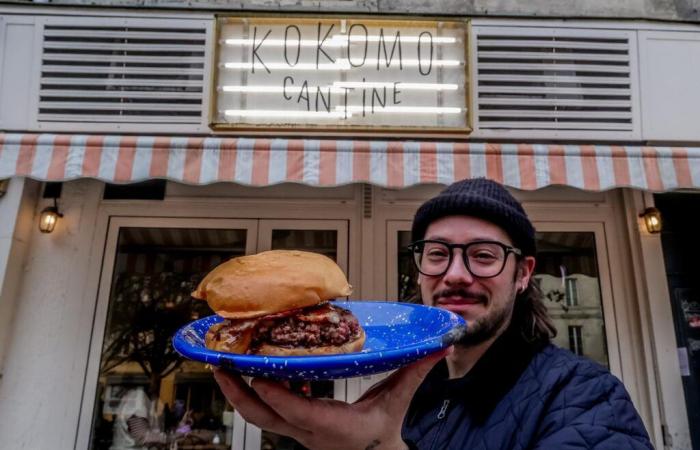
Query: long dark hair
<point>531,316</point>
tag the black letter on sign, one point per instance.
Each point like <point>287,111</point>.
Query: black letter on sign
<point>319,93</point>
<point>381,100</point>
<point>382,46</point>
<point>256,47</point>
<point>396,93</point>
<point>304,95</point>
<point>286,30</point>
<point>319,43</point>
<point>364,57</point>
<point>284,87</point>
<point>420,61</point>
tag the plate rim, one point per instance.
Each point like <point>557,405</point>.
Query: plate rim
<point>251,362</point>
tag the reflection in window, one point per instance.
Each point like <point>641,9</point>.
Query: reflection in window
<point>408,274</point>
<point>567,272</point>
<point>317,241</point>
<point>575,339</point>
<point>571,292</point>
<point>147,395</point>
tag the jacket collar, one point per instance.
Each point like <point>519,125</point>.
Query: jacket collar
<point>493,375</point>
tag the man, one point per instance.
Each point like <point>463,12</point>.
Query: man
<point>503,386</point>
<point>136,423</point>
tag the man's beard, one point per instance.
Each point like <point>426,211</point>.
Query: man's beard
<point>486,327</point>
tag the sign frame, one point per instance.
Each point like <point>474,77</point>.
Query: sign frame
<point>462,132</point>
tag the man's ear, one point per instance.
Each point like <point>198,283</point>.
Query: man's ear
<point>526,268</point>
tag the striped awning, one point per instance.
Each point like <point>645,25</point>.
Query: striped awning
<point>329,162</point>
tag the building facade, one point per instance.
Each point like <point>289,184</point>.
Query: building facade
<point>171,139</point>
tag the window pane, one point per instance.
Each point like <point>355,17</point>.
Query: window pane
<point>407,270</point>
<point>568,275</point>
<point>571,292</point>
<point>142,381</point>
<point>575,340</point>
<point>319,241</point>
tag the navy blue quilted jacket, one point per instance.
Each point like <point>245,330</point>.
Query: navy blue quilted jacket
<point>524,396</point>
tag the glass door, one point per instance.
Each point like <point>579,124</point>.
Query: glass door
<point>568,274</point>
<point>144,394</point>
<point>329,237</point>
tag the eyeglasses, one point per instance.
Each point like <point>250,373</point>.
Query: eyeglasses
<point>483,259</point>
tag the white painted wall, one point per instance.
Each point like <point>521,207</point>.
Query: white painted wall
<point>670,70</point>
<point>41,387</point>
<point>664,59</point>
<point>16,217</point>
<point>17,67</point>
<point>656,321</point>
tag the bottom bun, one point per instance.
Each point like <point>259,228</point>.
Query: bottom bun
<point>348,347</point>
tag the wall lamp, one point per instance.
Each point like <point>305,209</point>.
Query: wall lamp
<point>652,220</point>
<point>4,186</point>
<point>49,217</point>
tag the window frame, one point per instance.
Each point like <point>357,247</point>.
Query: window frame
<point>571,290</point>
<point>576,338</point>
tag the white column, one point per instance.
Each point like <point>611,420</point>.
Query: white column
<point>48,338</point>
<point>16,217</point>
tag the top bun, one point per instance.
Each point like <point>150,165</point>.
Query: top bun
<point>270,282</point>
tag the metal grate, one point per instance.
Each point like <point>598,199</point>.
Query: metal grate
<point>122,74</point>
<point>557,79</point>
<point>367,201</point>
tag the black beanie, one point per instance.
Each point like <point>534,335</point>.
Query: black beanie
<point>483,199</point>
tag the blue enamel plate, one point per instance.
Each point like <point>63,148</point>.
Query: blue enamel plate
<point>397,334</point>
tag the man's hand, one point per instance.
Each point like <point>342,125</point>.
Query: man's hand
<point>371,423</point>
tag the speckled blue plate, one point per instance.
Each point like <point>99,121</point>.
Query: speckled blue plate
<point>397,334</point>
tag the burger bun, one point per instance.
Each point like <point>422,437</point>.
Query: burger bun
<point>271,282</point>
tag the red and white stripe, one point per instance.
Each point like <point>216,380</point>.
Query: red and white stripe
<point>327,162</point>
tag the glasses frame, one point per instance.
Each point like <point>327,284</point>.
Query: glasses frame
<point>507,250</point>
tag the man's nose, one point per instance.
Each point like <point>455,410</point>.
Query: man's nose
<point>457,272</point>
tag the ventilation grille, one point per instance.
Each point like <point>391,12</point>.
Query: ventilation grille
<point>367,201</point>
<point>122,74</point>
<point>554,81</point>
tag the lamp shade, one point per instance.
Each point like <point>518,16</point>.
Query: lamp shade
<point>49,217</point>
<point>652,220</point>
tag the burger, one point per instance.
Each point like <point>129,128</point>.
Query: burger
<point>277,303</point>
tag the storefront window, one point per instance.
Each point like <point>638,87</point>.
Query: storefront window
<point>147,395</point>
<point>568,275</point>
<point>567,272</point>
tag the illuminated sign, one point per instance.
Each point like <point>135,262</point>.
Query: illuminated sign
<point>341,73</point>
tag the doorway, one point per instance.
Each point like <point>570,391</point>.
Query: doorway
<point>150,267</point>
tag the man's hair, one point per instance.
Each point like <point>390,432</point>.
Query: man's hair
<point>530,315</point>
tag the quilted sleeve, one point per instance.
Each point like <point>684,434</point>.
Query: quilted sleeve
<point>590,409</point>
